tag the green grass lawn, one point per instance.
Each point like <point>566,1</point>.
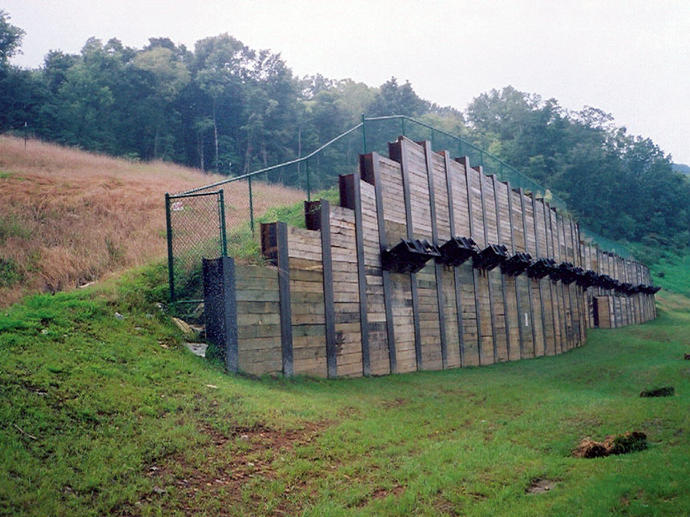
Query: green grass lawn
<point>108,415</point>
<point>673,274</point>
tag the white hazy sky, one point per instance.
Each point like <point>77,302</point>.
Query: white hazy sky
<point>630,58</point>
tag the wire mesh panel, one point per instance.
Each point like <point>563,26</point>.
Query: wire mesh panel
<point>197,218</point>
<point>196,230</point>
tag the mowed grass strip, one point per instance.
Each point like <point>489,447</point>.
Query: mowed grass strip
<point>102,415</point>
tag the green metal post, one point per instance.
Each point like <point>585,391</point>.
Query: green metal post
<point>221,216</point>
<point>481,158</point>
<point>308,181</point>
<point>251,205</point>
<point>171,273</point>
<point>402,123</point>
<point>364,136</point>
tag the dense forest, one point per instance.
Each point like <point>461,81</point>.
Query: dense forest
<point>228,108</point>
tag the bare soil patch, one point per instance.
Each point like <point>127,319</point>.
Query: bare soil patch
<point>227,471</point>
<point>540,486</point>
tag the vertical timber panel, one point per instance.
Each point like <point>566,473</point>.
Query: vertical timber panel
<point>502,193</point>
<point>451,299</point>
<point>503,327</point>
<point>539,250</point>
<point>307,306</point>
<point>516,342</point>
<point>351,197</point>
<point>522,282</point>
<point>379,296</point>
<point>465,274</point>
<point>488,346</point>
<point>258,319</point>
<point>532,294</point>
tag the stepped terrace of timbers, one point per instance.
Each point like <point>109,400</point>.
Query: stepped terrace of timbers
<point>427,263</point>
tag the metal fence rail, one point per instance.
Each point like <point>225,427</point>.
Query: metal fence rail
<point>196,218</point>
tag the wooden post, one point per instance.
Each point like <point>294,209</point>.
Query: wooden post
<point>324,225</point>
<point>529,286</point>
<point>369,166</point>
<point>456,273</point>
<point>554,308</point>
<point>506,319</point>
<point>480,169</point>
<point>541,295</point>
<point>351,197</point>
<point>576,305</point>
<point>410,235</point>
<point>465,160</point>
<point>512,250</point>
<point>437,267</point>
<point>276,237</point>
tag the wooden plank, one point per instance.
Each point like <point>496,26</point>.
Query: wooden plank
<point>518,303</point>
<point>529,290</point>
<point>492,313</point>
<point>465,161</point>
<point>538,251</point>
<point>281,233</point>
<point>370,169</point>
<point>437,267</point>
<point>550,253</point>
<point>503,355</point>
<point>329,304</point>
<point>457,289</point>
<point>351,186</point>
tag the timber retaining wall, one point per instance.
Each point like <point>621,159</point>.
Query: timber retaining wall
<point>326,306</point>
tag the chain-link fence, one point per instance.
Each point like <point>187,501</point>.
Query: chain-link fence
<point>197,219</point>
<point>196,229</point>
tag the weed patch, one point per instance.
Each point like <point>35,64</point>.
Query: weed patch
<point>666,391</point>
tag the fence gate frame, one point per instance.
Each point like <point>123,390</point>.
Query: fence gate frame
<point>170,232</point>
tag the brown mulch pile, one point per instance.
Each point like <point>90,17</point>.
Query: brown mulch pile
<point>614,444</point>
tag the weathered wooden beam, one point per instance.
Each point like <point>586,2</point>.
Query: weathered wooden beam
<point>351,197</point>
<point>529,287</point>
<point>465,161</point>
<point>480,169</point>
<point>506,318</point>
<point>370,169</point>
<point>512,250</point>
<point>457,285</point>
<point>539,282</point>
<point>274,240</point>
<point>437,267</point>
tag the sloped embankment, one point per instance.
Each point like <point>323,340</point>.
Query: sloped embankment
<point>68,217</point>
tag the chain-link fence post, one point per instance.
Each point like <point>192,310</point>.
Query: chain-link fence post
<point>251,205</point>
<point>168,226</point>
<point>221,217</point>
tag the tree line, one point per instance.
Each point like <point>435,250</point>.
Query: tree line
<point>225,107</point>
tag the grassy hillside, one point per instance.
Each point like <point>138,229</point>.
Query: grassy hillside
<point>69,217</point>
<point>105,412</point>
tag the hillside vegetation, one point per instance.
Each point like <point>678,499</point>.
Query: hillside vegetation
<point>68,217</point>
<point>110,415</point>
<point>225,107</point>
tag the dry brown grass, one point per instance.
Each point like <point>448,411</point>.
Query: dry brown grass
<point>68,217</point>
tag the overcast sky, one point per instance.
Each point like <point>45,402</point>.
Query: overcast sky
<point>630,58</point>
